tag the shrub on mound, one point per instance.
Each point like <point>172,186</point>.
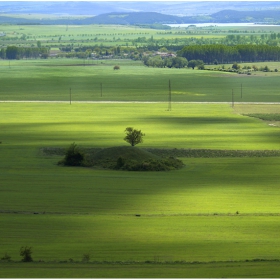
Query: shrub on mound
<point>133,159</point>
<point>149,165</point>
<point>119,158</point>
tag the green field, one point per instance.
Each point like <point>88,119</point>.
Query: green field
<point>212,270</point>
<point>216,217</point>
<point>112,35</point>
<point>51,80</point>
<point>218,212</point>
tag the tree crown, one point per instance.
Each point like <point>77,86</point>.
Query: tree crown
<point>133,136</point>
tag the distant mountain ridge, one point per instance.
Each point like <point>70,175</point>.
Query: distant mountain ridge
<point>227,16</point>
<point>133,18</point>
<point>94,8</point>
<point>137,17</point>
<point>247,16</point>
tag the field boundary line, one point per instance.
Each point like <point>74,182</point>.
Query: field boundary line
<point>138,102</point>
<point>154,215</point>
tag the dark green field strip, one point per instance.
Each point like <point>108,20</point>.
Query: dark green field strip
<point>189,153</point>
<point>266,117</point>
<point>208,153</point>
<point>220,214</point>
<point>244,269</point>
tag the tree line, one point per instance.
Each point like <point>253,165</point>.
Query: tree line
<point>229,54</point>
<point>13,52</point>
<point>169,62</point>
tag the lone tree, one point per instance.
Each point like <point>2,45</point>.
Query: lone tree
<point>133,136</point>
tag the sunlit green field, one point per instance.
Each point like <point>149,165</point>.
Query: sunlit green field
<point>93,80</point>
<point>219,210</point>
<point>211,126</point>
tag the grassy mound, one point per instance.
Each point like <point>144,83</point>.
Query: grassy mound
<point>132,159</point>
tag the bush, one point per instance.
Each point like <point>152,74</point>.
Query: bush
<point>117,67</point>
<point>6,257</point>
<point>73,156</point>
<point>200,67</point>
<point>26,252</point>
<point>150,165</point>
<point>265,69</point>
<point>120,163</point>
<point>236,66</point>
<point>86,258</point>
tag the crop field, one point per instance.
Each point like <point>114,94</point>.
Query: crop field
<point>204,220</point>
<point>88,35</point>
<point>118,34</point>
<point>218,216</point>
<point>95,80</point>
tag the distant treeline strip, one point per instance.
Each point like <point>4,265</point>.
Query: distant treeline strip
<point>229,54</point>
<point>13,52</point>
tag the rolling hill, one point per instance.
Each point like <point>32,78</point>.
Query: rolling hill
<point>227,16</point>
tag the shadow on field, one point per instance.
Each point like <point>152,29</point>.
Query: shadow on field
<point>201,120</point>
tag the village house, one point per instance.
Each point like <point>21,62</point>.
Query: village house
<point>165,54</point>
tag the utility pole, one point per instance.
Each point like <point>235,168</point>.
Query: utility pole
<point>169,105</point>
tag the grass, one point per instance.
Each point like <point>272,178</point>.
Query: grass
<point>89,125</point>
<point>212,270</point>
<point>40,80</point>
<point>197,189</point>
<point>269,114</point>
<point>271,65</point>
<point>159,238</point>
<point>189,214</point>
<point>264,109</point>
<point>211,216</point>
<point>266,117</point>
<point>112,35</point>
<point>186,215</point>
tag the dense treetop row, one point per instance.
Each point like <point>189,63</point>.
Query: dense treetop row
<point>13,52</point>
<point>228,54</point>
<point>155,56</point>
